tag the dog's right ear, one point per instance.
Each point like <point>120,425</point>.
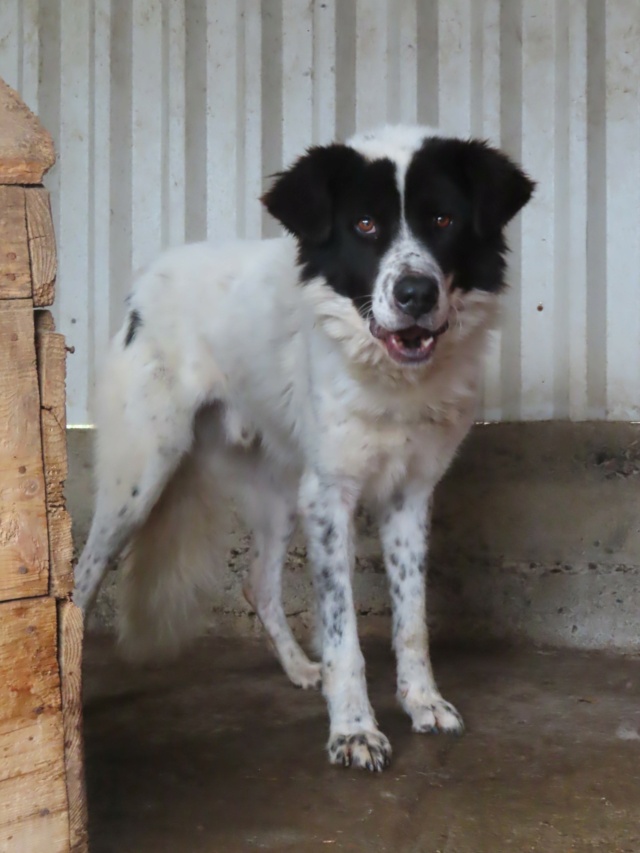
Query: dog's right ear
<point>302,197</point>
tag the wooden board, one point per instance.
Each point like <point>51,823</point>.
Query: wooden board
<point>70,628</point>
<point>42,246</point>
<point>26,149</point>
<point>51,355</point>
<point>15,264</point>
<point>33,798</point>
<point>24,544</point>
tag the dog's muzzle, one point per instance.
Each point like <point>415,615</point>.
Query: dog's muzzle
<point>413,345</point>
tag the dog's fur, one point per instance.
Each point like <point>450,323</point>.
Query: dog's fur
<point>301,376</point>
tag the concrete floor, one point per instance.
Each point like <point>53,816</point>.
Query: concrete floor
<point>219,753</point>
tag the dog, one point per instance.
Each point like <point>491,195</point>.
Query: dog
<point>301,377</point>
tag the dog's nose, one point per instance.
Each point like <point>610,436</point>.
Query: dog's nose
<point>416,294</point>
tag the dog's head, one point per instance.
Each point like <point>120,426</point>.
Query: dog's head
<point>398,221</point>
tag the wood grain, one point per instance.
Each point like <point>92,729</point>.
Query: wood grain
<point>42,246</point>
<point>26,149</point>
<point>24,544</point>
<point>51,355</point>
<point>70,629</point>
<point>15,263</point>
<point>34,815</point>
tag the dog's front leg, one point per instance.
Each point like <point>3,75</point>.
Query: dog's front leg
<point>404,529</point>
<point>327,509</point>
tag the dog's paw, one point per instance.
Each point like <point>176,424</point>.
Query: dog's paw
<point>436,716</point>
<point>306,674</point>
<point>368,750</point>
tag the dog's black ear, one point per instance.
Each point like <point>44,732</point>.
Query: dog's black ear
<point>302,197</point>
<point>499,188</point>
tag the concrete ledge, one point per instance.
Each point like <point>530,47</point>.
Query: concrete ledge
<point>536,537</point>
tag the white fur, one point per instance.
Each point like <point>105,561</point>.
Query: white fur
<point>241,384</point>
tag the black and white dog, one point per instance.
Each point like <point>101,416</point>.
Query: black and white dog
<point>300,377</point>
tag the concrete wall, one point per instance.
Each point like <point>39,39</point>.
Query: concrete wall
<point>536,537</point>
<point>168,115</point>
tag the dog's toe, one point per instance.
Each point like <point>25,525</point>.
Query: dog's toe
<point>308,676</point>
<point>437,716</point>
<point>367,750</point>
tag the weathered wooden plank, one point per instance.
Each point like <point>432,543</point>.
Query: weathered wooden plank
<point>70,629</point>
<point>24,542</point>
<point>33,799</point>
<point>51,354</point>
<point>15,264</point>
<point>42,246</point>
<point>26,149</point>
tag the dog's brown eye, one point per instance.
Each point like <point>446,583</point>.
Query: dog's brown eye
<point>367,227</point>
<point>443,220</point>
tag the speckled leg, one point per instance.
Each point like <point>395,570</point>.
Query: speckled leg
<point>354,738</point>
<point>404,532</point>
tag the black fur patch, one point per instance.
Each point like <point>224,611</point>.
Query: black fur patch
<point>322,197</point>
<point>481,189</point>
<point>135,321</point>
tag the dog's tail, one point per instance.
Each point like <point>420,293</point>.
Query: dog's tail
<point>172,567</point>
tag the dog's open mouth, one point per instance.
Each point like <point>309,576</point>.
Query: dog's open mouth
<point>414,345</point>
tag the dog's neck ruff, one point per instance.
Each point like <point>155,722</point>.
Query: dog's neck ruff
<point>445,384</point>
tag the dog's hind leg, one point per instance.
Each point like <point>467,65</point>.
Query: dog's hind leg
<point>273,523</point>
<point>143,432</point>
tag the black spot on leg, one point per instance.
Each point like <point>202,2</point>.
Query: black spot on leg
<point>123,511</point>
<point>135,491</point>
<point>328,538</point>
<point>393,559</point>
<point>403,573</point>
<point>135,321</point>
<point>398,543</point>
<point>398,502</point>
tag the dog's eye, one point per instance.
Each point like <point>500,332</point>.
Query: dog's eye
<point>442,220</point>
<point>367,227</point>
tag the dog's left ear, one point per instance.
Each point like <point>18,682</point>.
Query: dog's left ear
<point>302,197</point>
<point>499,188</point>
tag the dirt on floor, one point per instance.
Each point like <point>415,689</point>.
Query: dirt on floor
<point>218,753</point>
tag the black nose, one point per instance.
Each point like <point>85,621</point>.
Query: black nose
<point>416,294</point>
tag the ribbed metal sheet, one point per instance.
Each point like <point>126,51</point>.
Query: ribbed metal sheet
<point>168,115</point>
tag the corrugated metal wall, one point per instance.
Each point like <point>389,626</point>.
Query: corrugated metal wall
<point>168,115</point>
